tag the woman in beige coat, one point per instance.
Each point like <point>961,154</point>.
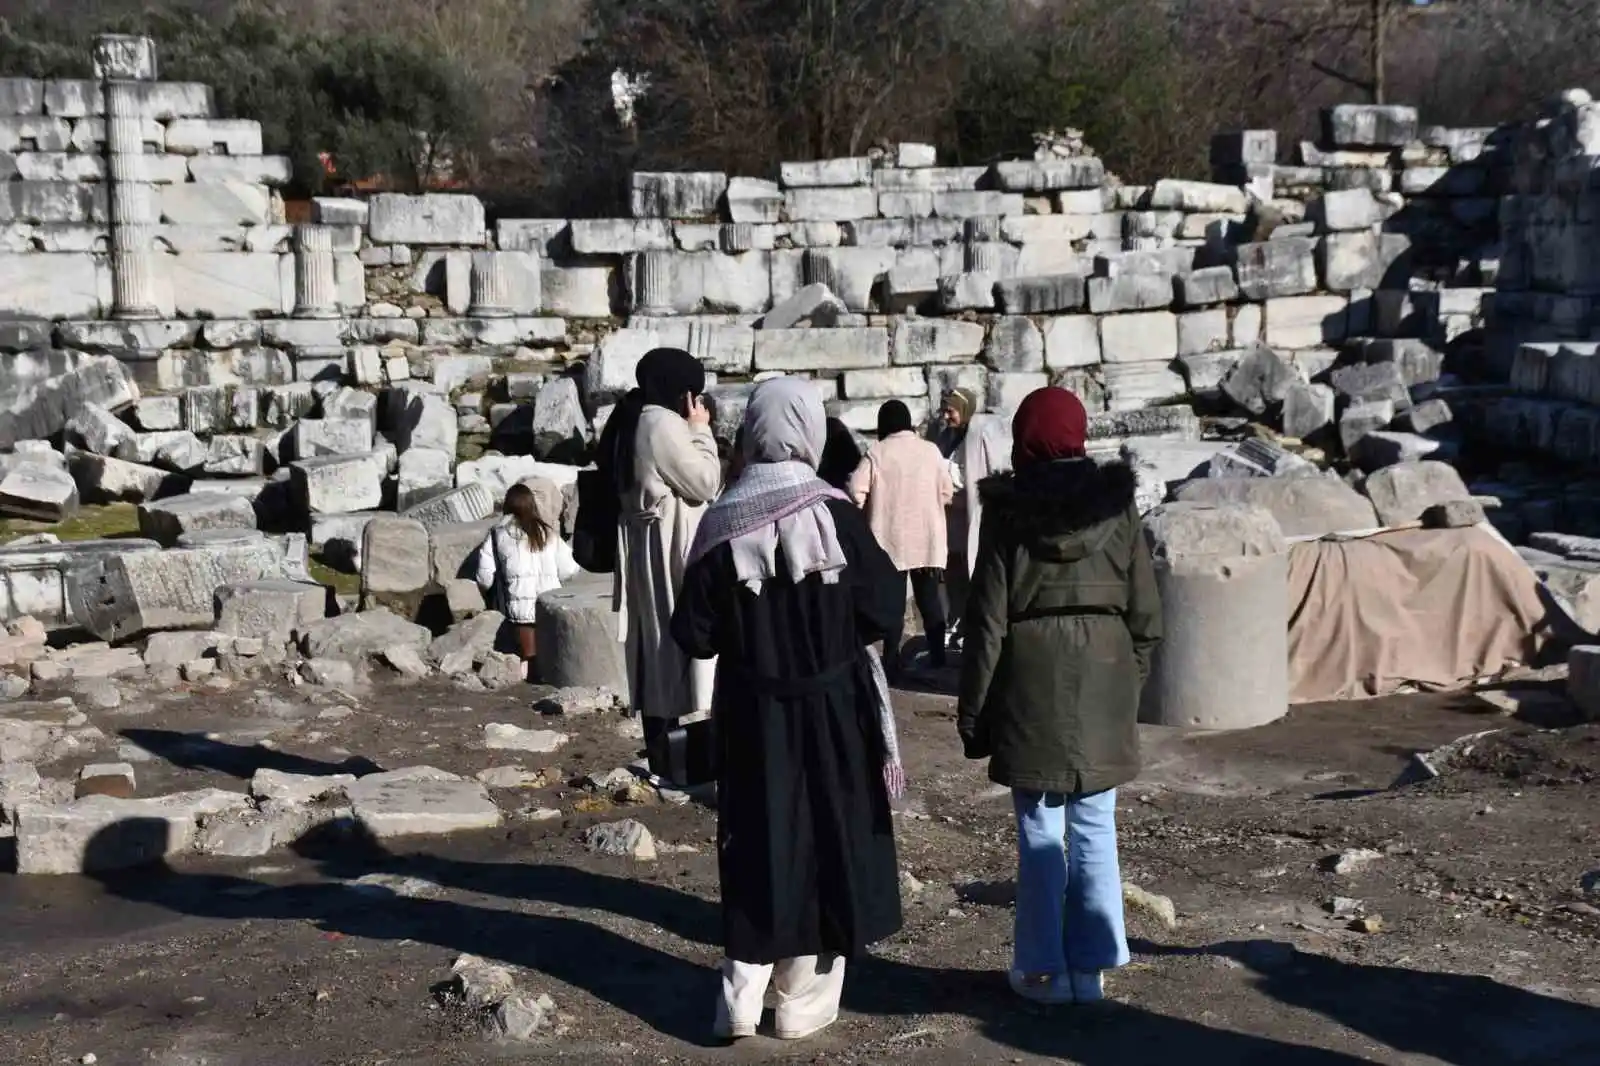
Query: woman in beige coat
<point>904,484</point>
<point>668,470</point>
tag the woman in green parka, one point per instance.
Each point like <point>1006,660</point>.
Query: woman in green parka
<point>1062,618</point>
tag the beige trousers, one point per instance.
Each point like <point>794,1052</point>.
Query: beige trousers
<point>807,988</point>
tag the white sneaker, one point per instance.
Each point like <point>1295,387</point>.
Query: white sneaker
<point>1087,986</point>
<point>1044,988</point>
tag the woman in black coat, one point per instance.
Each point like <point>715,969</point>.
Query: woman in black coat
<point>787,587</point>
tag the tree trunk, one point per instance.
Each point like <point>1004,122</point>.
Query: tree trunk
<point>1380,21</point>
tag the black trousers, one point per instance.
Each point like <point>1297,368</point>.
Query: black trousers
<point>656,731</point>
<point>930,605</point>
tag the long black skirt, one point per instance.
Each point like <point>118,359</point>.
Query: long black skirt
<point>804,835</point>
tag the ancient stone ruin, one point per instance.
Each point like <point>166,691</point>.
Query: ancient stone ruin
<point>362,389</point>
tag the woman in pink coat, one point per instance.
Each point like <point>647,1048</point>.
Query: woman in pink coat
<point>904,485</point>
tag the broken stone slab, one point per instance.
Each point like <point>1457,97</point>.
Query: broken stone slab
<point>499,736</point>
<point>1204,287</point>
<point>833,349</point>
<point>1371,382</point>
<point>812,305</point>
<point>235,455</point>
<point>464,598</point>
<point>922,341</point>
<point>1425,417</point>
<point>252,834</point>
<point>427,421</point>
<point>1453,514</point>
<point>627,839</point>
<point>1050,175</point>
<point>120,596</point>
<point>277,788</point>
<point>312,438</point>
<point>501,670</point>
<point>1260,380</point>
<point>560,426</point>
<point>1256,457</point>
<point>1400,493</point>
<point>1130,292</point>
<point>106,779</point>
<point>468,503</point>
<point>41,492</point>
<point>19,783</point>
<point>93,660</point>
<point>1046,294</point>
<point>46,735</point>
<point>473,638</point>
<point>452,551</point>
<point>97,429</point>
<point>276,612</point>
<point>177,450</point>
<point>522,1017</point>
<point>429,219</point>
<point>1369,126</point>
<point>1275,268</point>
<point>338,484</point>
<point>164,521</point>
<point>1361,418</point>
<point>100,833</point>
<point>35,575</point>
<point>332,673</point>
<point>42,409</point>
<point>1427,765</point>
<point>580,701</point>
<point>405,660</point>
<point>394,557</point>
<point>1307,410</point>
<point>678,195</point>
<point>177,649</point>
<point>105,480</point>
<point>1347,210</point>
<point>1302,506</point>
<point>420,800</point>
<point>359,636</point>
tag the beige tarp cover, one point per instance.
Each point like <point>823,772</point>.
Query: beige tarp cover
<point>1428,607</point>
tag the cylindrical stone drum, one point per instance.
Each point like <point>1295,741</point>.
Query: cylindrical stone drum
<point>577,634</point>
<point>1223,574</point>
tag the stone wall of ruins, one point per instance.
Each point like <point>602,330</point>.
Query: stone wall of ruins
<point>395,351</point>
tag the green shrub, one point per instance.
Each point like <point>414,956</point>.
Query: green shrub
<point>381,107</point>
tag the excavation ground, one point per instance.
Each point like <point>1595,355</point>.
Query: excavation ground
<point>1469,940</point>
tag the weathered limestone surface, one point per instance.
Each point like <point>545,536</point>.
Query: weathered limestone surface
<point>1223,659</point>
<point>578,646</point>
<point>119,596</point>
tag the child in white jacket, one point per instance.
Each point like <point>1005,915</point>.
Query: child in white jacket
<point>524,557</point>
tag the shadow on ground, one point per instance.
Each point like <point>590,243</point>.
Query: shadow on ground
<point>195,751</point>
<point>1459,1020</point>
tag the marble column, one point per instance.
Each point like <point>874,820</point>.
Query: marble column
<point>491,286</point>
<point>816,268</point>
<point>985,257</point>
<point>652,282</point>
<point>133,211</point>
<point>316,291</point>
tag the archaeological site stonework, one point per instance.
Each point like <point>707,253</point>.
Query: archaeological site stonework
<point>361,389</point>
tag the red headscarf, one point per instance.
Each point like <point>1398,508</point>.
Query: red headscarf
<point>1050,424</point>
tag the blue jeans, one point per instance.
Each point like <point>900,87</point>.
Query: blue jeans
<point>1069,890</point>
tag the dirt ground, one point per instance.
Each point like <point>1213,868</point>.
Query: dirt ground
<point>1470,941</point>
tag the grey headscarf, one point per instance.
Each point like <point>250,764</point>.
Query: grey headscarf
<point>778,499</point>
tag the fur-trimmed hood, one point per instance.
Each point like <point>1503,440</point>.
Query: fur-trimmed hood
<point>1056,501</point>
